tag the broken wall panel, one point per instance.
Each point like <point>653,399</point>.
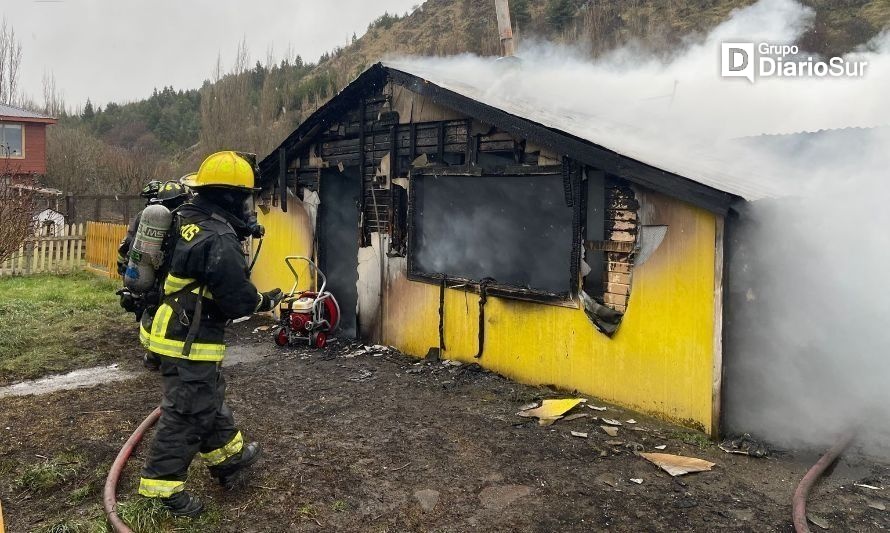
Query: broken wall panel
<point>620,227</point>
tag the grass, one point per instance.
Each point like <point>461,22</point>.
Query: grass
<point>147,515</point>
<point>339,506</point>
<point>49,474</point>
<point>70,525</point>
<point>143,514</point>
<point>697,439</point>
<point>306,512</point>
<point>80,494</point>
<point>51,323</point>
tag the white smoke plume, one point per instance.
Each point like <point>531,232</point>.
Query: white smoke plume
<point>814,356</point>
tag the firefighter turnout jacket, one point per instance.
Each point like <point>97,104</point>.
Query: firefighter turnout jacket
<point>206,286</point>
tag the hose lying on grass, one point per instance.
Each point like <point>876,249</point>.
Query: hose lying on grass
<point>109,494</point>
<point>799,501</point>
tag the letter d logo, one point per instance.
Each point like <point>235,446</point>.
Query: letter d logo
<point>737,60</point>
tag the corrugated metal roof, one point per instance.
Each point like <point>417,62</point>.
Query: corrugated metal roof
<point>697,164</point>
<point>12,111</point>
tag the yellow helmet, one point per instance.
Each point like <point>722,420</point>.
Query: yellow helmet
<point>223,169</point>
<point>188,178</point>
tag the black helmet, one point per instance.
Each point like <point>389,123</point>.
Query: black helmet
<point>151,189</point>
<point>170,191</point>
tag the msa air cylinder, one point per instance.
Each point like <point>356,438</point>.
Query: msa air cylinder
<point>147,252</point>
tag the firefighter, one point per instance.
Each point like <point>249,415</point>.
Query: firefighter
<point>207,285</point>
<point>171,195</point>
<point>149,192</point>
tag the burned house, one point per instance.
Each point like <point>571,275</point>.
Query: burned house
<point>492,232</point>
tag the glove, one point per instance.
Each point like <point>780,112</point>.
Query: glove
<point>269,300</point>
<point>131,303</point>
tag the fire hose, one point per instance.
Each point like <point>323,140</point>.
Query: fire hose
<point>799,501</point>
<point>109,494</point>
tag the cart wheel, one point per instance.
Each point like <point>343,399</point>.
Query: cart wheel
<point>281,336</point>
<point>321,340</point>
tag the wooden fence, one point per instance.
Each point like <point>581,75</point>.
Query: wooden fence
<point>103,240</point>
<point>48,253</point>
<point>92,246</point>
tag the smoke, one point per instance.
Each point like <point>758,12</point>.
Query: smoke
<point>472,228</point>
<point>807,334</point>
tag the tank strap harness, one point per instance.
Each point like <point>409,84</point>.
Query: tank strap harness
<point>193,323</point>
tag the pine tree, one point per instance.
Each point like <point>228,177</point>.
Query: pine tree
<point>560,12</point>
<point>520,13</point>
<point>88,112</point>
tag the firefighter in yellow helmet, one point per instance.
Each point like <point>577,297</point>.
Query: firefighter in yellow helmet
<point>207,286</point>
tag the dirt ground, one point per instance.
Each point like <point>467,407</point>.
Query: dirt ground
<point>360,439</point>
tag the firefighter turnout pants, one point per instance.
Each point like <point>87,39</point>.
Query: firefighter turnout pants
<point>194,419</point>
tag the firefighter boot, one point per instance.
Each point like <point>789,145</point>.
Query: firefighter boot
<point>183,503</point>
<point>151,361</point>
<point>231,472</point>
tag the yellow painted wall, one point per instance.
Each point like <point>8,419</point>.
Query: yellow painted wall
<point>286,234</point>
<point>660,361</point>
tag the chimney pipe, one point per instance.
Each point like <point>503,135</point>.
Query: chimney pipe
<point>505,29</point>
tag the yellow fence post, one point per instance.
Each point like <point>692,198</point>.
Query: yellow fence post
<point>102,241</point>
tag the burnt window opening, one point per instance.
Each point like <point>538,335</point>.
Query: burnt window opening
<point>611,228</point>
<point>398,242</point>
<point>516,234</point>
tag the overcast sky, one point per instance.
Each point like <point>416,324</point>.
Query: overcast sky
<point>118,50</point>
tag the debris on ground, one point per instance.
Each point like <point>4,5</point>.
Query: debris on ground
<point>638,481</point>
<point>818,520</point>
<point>579,434</point>
<point>499,497</point>
<point>635,447</point>
<point>551,410</point>
<point>607,478</point>
<point>611,422</point>
<point>597,408</point>
<point>427,499</point>
<point>870,487</point>
<point>575,416</point>
<point>363,375</point>
<point>260,329</point>
<point>745,445</point>
<point>631,421</point>
<point>877,505</point>
<point>661,447</point>
<point>677,465</point>
<point>610,431</point>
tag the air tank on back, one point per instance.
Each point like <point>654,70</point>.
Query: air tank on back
<point>147,252</point>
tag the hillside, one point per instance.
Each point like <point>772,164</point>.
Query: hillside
<point>252,108</point>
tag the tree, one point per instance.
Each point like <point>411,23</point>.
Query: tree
<point>53,100</point>
<point>10,63</point>
<point>88,112</point>
<point>520,13</point>
<point>17,210</point>
<point>560,13</point>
